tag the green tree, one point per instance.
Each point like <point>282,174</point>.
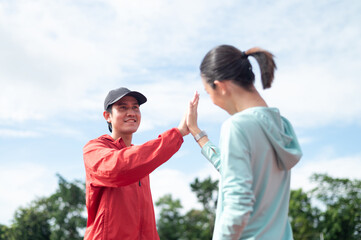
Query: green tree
<point>206,192</point>
<point>58,217</point>
<point>342,199</point>
<point>5,232</point>
<point>170,224</point>
<point>199,224</point>
<point>66,209</point>
<point>31,223</point>
<point>195,224</point>
<point>304,218</point>
<point>337,214</point>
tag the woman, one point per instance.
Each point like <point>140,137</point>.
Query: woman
<point>258,147</point>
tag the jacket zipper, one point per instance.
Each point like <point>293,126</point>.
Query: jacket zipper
<point>140,212</point>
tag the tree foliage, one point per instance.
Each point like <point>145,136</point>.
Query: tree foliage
<point>5,232</point>
<point>66,208</point>
<point>195,224</point>
<point>304,217</point>
<point>58,217</point>
<point>200,223</point>
<point>337,214</point>
<point>332,209</point>
<point>170,223</point>
<point>342,199</point>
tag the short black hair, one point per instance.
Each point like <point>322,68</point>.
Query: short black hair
<point>109,110</point>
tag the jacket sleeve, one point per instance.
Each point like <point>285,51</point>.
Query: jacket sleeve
<point>236,183</point>
<point>106,166</point>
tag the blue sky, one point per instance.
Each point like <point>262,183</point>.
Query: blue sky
<point>60,58</point>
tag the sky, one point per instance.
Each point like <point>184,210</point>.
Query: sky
<point>59,59</point>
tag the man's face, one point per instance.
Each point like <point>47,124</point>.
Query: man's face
<point>125,116</point>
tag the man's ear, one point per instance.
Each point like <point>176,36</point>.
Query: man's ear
<point>222,86</point>
<point>106,116</point>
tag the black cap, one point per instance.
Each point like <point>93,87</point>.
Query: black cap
<point>116,94</point>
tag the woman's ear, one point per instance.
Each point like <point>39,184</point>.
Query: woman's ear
<point>222,86</point>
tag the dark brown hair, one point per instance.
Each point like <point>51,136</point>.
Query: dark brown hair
<point>109,110</point>
<point>226,62</point>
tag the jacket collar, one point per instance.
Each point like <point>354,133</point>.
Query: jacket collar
<point>119,142</point>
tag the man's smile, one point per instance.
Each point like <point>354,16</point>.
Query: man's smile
<point>130,120</point>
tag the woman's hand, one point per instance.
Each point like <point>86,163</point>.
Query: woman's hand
<point>192,115</point>
<point>192,120</point>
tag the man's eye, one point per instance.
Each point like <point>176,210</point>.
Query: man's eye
<point>135,107</point>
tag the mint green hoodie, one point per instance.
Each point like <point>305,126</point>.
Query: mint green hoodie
<point>258,148</point>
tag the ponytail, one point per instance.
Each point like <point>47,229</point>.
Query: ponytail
<point>226,62</point>
<point>266,65</point>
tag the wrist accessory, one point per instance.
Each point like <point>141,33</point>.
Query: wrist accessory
<point>200,135</point>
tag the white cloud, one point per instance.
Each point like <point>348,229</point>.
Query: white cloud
<point>168,100</point>
<point>62,57</point>
<point>337,167</point>
<point>50,61</point>
<point>18,133</point>
<point>177,183</point>
<point>316,96</point>
<point>21,184</point>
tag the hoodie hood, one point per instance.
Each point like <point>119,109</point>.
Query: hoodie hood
<point>281,135</point>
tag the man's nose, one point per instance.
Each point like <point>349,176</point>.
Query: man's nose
<point>130,112</point>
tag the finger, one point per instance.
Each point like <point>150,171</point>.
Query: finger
<point>196,101</point>
<point>195,97</point>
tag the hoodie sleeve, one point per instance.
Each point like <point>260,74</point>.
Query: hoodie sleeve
<point>106,166</point>
<point>212,153</point>
<point>236,183</point>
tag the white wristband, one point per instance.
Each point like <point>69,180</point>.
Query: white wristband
<point>200,135</point>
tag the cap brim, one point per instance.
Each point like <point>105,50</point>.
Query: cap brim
<point>140,97</point>
<point>137,95</point>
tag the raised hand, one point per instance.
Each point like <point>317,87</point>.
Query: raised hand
<point>183,128</point>
<point>192,115</point>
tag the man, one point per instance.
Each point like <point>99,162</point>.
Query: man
<point>118,197</point>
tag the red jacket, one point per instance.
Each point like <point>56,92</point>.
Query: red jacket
<point>118,197</point>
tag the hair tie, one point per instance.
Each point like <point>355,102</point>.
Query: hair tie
<point>244,55</point>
